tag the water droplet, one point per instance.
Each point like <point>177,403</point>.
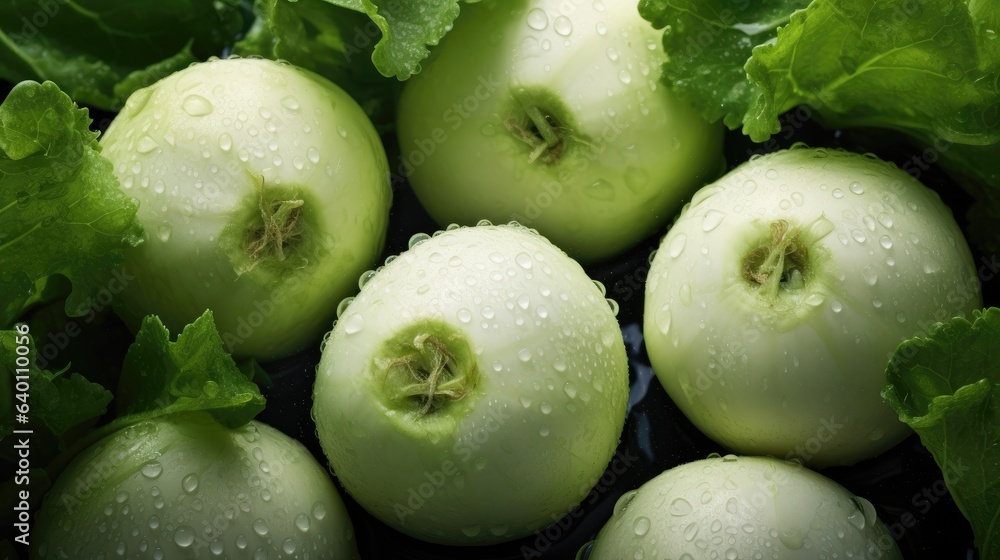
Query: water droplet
<point>677,245</point>
<point>563,26</point>
<point>524,355</point>
<point>354,323</point>
<point>544,431</point>
<point>601,28</point>
<point>313,154</point>
<point>190,483</point>
<point>319,511</point>
<point>523,260</point>
<point>856,188</point>
<point>885,241</point>
<point>537,19</point>
<point>663,319</point>
<point>152,469</point>
<point>146,145</point>
<point>815,299</point>
<point>613,54</point>
<point>260,526</point>
<point>870,275</point>
<point>837,193</point>
<point>930,267</point>
<point>836,306</point>
<point>901,317</point>
<point>184,536</point>
<point>712,219</point>
<point>163,232</point>
<point>680,507</point>
<point>858,235</point>
<point>622,504</point>
<point>290,103</point>
<point>464,315</point>
<point>197,106</point>
<point>641,526</point>
<point>302,522</point>
<point>625,77</point>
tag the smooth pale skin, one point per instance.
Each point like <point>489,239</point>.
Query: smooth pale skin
<point>188,487</point>
<point>743,508</point>
<point>635,151</point>
<point>529,439</point>
<point>195,149</point>
<point>799,375</point>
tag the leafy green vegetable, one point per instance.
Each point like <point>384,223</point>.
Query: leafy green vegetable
<point>92,47</point>
<point>709,43</point>
<point>924,67</point>
<point>195,373</point>
<point>58,400</point>
<point>399,31</point>
<point>407,28</point>
<point>330,40</point>
<point>61,211</point>
<point>946,386</point>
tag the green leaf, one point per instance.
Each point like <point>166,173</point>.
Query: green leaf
<point>946,386</point>
<point>91,47</point>
<point>885,64</point>
<point>708,43</point>
<point>61,210</point>
<point>56,400</point>
<point>408,27</point>
<point>195,373</point>
<point>400,30</point>
<point>330,40</point>
<point>929,67</point>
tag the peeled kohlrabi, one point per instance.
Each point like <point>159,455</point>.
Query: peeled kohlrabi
<point>264,193</point>
<point>742,508</point>
<point>184,486</point>
<point>776,299</point>
<point>475,389</point>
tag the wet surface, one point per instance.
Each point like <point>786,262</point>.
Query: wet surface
<point>904,484</point>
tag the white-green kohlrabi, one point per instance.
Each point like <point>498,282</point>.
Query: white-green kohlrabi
<point>777,298</point>
<point>742,508</point>
<point>264,193</point>
<point>551,113</point>
<point>475,389</point>
<point>184,487</point>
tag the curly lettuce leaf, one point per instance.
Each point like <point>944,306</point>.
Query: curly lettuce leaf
<point>709,43</point>
<point>332,41</point>
<point>194,373</point>
<point>407,27</point>
<point>946,386</point>
<point>92,47</point>
<point>915,69</point>
<point>922,68</point>
<point>61,210</point>
<point>395,34</point>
